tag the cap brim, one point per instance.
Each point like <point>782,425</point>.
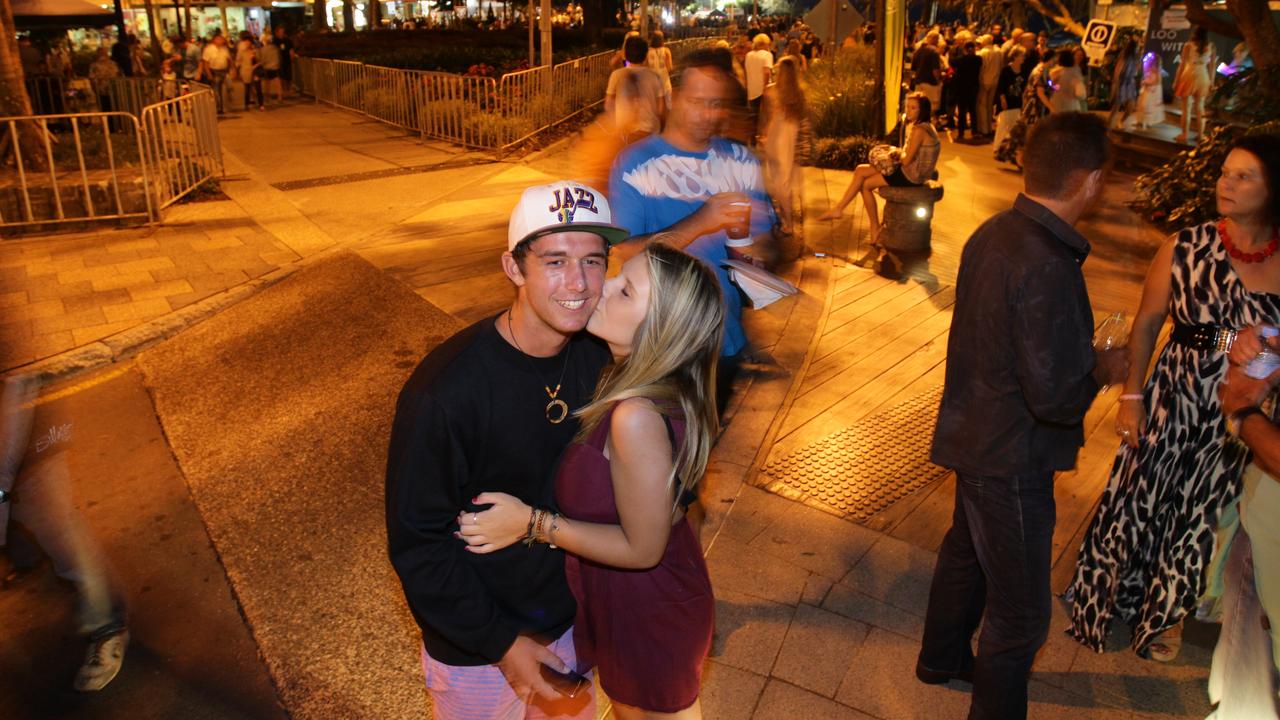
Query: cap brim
<point>612,234</point>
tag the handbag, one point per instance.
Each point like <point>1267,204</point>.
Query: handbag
<point>882,159</point>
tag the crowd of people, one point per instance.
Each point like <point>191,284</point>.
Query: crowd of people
<point>543,462</point>
<point>261,64</point>
<point>255,62</point>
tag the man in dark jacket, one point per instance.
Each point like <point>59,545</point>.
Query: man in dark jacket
<point>965,86</point>
<point>1021,374</point>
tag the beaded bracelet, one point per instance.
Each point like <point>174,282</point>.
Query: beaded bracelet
<point>1131,396</point>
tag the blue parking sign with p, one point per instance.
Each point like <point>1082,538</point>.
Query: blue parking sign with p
<point>1097,38</point>
<point>1099,34</point>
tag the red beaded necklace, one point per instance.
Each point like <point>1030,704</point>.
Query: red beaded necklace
<point>1254,257</point>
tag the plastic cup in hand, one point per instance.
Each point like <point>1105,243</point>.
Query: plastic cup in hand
<point>1113,333</point>
<point>1267,360</point>
<point>741,228</point>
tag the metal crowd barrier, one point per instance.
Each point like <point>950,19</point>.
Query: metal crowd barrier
<point>460,109</point>
<point>61,96</point>
<point>54,179</point>
<point>480,112</point>
<point>96,166</point>
<point>180,145</point>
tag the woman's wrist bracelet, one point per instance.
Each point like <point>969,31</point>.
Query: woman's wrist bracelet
<point>552,527</point>
<point>529,538</point>
<point>1131,396</point>
<point>542,527</point>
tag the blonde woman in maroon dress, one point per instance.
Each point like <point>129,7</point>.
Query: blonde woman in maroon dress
<point>645,607</point>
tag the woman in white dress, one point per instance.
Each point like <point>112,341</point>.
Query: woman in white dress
<point>782,115</point>
<point>1194,80</point>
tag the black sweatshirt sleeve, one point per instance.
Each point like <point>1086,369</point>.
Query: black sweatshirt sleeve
<point>426,472</point>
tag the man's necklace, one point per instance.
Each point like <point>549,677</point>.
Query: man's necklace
<point>557,410</point>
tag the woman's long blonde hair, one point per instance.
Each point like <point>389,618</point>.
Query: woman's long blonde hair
<point>789,89</point>
<point>673,358</point>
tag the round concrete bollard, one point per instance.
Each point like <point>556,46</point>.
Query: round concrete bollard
<point>908,212</point>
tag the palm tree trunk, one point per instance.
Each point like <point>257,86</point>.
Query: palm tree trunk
<point>1258,26</point>
<point>13,95</point>
<point>157,53</point>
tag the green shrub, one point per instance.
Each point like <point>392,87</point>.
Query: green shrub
<point>844,153</point>
<point>842,94</point>
<point>1180,193</point>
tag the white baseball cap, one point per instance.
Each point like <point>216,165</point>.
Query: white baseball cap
<point>559,207</point>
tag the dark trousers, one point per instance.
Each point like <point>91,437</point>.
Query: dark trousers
<point>256,86</point>
<point>994,560</point>
<point>967,111</point>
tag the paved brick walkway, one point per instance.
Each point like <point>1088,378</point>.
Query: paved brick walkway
<point>300,179</point>
<point>66,291</point>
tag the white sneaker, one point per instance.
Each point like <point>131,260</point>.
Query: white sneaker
<point>102,662</point>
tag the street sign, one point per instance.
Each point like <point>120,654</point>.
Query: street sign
<point>1097,38</point>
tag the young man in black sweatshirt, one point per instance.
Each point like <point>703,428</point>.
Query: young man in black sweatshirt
<point>491,409</point>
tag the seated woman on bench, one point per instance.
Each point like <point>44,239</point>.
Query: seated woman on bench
<point>916,164</point>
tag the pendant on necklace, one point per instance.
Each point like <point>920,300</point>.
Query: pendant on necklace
<point>557,411</point>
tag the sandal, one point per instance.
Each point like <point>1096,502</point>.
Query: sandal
<point>1168,643</point>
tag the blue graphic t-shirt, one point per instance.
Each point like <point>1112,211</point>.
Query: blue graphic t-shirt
<point>655,185</point>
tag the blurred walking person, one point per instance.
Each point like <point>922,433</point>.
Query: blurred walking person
<point>191,50</point>
<point>659,60</point>
<point>1125,82</point>
<point>964,88</point>
<point>759,68</point>
<point>992,67</point>
<point>1021,374</point>
<point>783,115</point>
<point>1244,679</point>
<point>611,131</point>
<point>647,106</point>
<point>285,45</point>
<point>1035,105</point>
<point>1151,96</point>
<point>38,516</point>
<point>269,56</point>
<point>704,194</point>
<point>1009,96</point>
<point>249,69</point>
<point>1194,81</point>
<point>1069,91</point>
<point>215,65</point>
<point>926,70</point>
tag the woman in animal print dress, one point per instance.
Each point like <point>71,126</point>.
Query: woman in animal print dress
<point>1145,554</point>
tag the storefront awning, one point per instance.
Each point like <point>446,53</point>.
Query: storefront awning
<point>46,8</point>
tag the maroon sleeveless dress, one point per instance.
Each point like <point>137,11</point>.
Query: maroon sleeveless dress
<point>646,631</point>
